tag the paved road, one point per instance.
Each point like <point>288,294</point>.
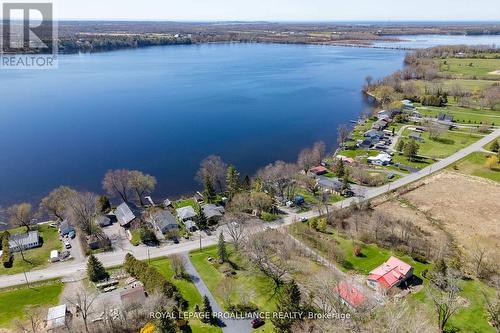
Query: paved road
<point>228,325</point>
<point>117,257</point>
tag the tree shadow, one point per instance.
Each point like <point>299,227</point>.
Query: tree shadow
<point>444,141</point>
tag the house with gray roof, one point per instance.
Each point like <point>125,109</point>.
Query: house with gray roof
<point>124,215</point>
<point>65,228</point>
<point>163,221</point>
<point>190,225</point>
<point>25,241</point>
<point>103,221</point>
<point>212,212</point>
<point>186,213</point>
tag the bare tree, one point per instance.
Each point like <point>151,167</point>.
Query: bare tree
<point>492,305</point>
<point>178,265</point>
<point>236,229</point>
<point>34,320</point>
<point>435,129</point>
<point>54,204</point>
<point>141,184</point>
<point>261,202</point>
<point>226,289</point>
<point>445,300</point>
<point>306,159</point>
<point>319,150</point>
<point>83,301</point>
<point>278,177</point>
<point>320,286</point>
<point>215,169</point>
<point>478,257</point>
<point>342,134</point>
<point>21,215</point>
<point>117,183</point>
<point>82,208</point>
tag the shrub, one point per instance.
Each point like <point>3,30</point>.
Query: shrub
<point>148,236</point>
<point>136,237</point>
<point>356,250</point>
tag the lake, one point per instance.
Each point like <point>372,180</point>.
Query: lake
<point>163,109</point>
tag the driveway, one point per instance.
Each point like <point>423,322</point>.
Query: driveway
<point>227,325</point>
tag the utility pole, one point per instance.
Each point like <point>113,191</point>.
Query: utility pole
<point>200,240</point>
<point>26,278</point>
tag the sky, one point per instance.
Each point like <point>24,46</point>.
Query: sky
<point>278,10</point>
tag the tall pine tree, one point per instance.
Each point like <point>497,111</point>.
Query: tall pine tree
<point>95,269</point>
<point>288,303</point>
<point>201,221</point>
<point>208,315</point>
<point>232,181</point>
<point>209,191</point>
<point>221,248</point>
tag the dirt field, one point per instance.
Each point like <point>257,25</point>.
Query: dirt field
<point>466,207</point>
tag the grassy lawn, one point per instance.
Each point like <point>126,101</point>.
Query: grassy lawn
<point>185,203</point>
<point>188,291</point>
<point>463,115</point>
<point>248,283</point>
<point>269,217</point>
<point>470,68</point>
<point>372,255</point>
<point>447,144</point>
<point>353,153</point>
<point>472,316</point>
<point>415,162</point>
<point>246,280</point>
<point>14,302</point>
<point>37,257</point>
<point>488,146</point>
<point>474,164</point>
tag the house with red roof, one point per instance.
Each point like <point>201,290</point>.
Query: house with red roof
<point>319,170</point>
<point>391,273</point>
<point>350,295</point>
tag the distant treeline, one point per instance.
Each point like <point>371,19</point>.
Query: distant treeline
<point>102,43</point>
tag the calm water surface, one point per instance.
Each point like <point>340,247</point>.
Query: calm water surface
<point>163,109</point>
<point>422,41</point>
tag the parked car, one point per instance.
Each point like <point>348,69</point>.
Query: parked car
<point>257,322</point>
<point>303,219</point>
<point>175,240</point>
<point>67,244</point>
<point>72,234</point>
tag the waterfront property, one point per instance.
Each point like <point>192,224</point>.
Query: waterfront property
<point>186,213</point>
<point>163,221</point>
<point>24,241</point>
<point>125,215</point>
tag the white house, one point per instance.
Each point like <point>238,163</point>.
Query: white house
<point>26,241</point>
<point>380,159</point>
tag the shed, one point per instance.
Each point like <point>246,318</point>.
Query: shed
<point>54,256</point>
<point>319,170</point>
<point>350,295</point>
<point>103,221</point>
<point>190,225</point>
<point>57,316</point>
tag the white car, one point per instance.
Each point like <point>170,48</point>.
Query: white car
<point>67,244</point>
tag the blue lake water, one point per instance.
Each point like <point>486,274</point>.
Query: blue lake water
<point>163,109</point>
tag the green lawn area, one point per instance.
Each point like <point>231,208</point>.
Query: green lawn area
<point>447,144</point>
<point>14,302</point>
<point>470,68</point>
<point>488,145</point>
<point>353,153</point>
<point>188,291</point>
<point>37,257</point>
<point>185,202</point>
<point>467,85</point>
<point>372,255</point>
<point>415,162</point>
<point>474,164</point>
<point>269,217</point>
<point>463,115</point>
<point>470,318</point>
<point>248,283</point>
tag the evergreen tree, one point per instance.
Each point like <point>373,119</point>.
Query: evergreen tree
<point>209,192</point>
<point>6,255</point>
<point>495,146</point>
<point>346,187</point>
<point>208,316</point>
<point>411,149</point>
<point>400,146</point>
<point>232,181</point>
<point>287,302</point>
<point>340,168</point>
<point>221,248</point>
<point>257,185</point>
<point>247,184</point>
<point>165,324</point>
<point>202,221</point>
<point>95,269</point>
<point>104,204</point>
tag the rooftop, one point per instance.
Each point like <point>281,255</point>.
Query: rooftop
<point>390,272</point>
<point>186,212</point>
<point>124,214</point>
